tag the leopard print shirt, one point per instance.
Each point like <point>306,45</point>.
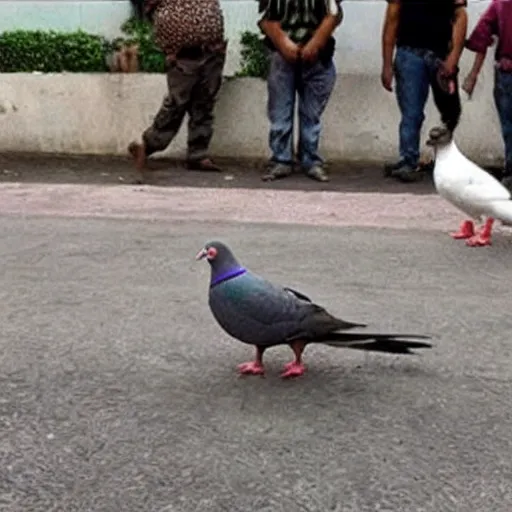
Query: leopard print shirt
<point>185,23</point>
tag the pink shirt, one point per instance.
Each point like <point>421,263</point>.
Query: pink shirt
<point>495,21</point>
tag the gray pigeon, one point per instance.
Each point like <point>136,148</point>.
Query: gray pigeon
<point>257,312</point>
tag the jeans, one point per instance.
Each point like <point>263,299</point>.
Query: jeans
<point>414,76</point>
<point>503,100</point>
<point>314,84</point>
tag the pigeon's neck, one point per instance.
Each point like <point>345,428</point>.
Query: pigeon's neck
<point>445,150</point>
<point>222,275</point>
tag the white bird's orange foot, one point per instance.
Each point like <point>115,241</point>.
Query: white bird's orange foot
<point>467,230</point>
<point>483,237</point>
<point>479,240</point>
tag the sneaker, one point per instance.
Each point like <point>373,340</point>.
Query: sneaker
<point>277,171</point>
<point>317,173</point>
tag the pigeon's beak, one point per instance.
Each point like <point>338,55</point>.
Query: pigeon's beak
<point>201,254</point>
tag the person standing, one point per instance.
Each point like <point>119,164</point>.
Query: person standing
<point>496,21</point>
<point>191,35</point>
<point>429,37</point>
<point>298,34</point>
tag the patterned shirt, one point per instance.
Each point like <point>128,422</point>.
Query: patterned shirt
<point>495,21</point>
<point>298,18</point>
<point>427,24</point>
<point>180,24</point>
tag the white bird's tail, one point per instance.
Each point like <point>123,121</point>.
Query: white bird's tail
<point>502,210</point>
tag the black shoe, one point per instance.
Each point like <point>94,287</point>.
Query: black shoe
<point>391,169</point>
<point>409,174</point>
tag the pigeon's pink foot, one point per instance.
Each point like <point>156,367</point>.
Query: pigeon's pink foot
<point>479,240</point>
<point>293,369</point>
<point>467,230</point>
<point>287,366</point>
<point>251,368</point>
<point>483,237</point>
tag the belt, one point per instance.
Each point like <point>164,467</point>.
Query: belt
<point>428,55</point>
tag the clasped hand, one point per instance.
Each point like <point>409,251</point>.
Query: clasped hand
<point>293,52</point>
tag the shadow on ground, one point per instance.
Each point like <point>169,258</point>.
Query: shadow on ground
<point>345,177</point>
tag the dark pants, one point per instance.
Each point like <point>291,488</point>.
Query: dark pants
<point>503,100</point>
<point>193,84</point>
<point>414,76</point>
<point>313,84</point>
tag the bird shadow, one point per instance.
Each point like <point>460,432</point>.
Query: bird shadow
<point>374,377</point>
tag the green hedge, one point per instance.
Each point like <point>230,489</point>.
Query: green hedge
<point>75,52</point>
<point>254,56</point>
<point>51,52</point>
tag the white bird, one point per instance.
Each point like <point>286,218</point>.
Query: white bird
<point>468,187</point>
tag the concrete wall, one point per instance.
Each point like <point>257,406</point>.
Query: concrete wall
<point>102,113</point>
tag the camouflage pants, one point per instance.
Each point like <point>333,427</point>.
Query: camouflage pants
<point>193,84</point>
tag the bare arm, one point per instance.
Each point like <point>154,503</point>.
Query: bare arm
<point>479,41</point>
<point>460,27</point>
<point>325,30</point>
<point>269,24</point>
<point>477,64</point>
<point>273,30</point>
<point>389,32</point>
<point>472,77</point>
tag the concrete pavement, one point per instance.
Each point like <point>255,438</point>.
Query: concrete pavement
<point>119,391</point>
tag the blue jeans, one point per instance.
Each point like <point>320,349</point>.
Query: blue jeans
<point>414,76</point>
<point>313,84</point>
<point>503,100</point>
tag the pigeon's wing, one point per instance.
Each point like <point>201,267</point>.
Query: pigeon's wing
<point>255,310</point>
<point>484,192</point>
<point>273,304</point>
<point>267,303</point>
<point>297,294</point>
<point>318,322</point>
<point>482,186</point>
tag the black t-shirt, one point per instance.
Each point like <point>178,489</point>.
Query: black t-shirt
<point>427,24</point>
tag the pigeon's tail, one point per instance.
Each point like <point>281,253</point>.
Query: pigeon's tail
<point>371,342</point>
<point>502,210</point>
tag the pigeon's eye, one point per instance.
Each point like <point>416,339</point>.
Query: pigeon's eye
<point>211,253</point>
